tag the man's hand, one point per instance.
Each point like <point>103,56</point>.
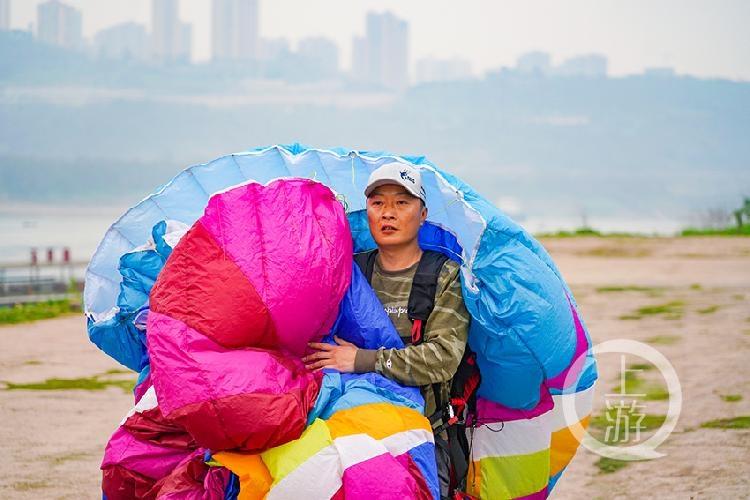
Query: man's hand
<point>339,357</point>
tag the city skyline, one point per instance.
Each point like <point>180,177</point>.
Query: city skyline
<point>698,38</point>
<point>235,33</point>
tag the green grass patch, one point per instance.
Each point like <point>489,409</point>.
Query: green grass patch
<point>22,313</point>
<point>696,286</point>
<point>738,296</point>
<point>709,310</point>
<point>627,288</point>
<point>728,423</point>
<point>649,422</point>
<point>635,385</point>
<point>674,307</point>
<point>117,371</point>
<point>608,465</point>
<point>727,231</point>
<point>32,362</point>
<point>581,231</point>
<point>95,383</point>
<point>598,425</point>
<point>668,310</point>
<point>63,458</point>
<point>663,339</point>
<point>641,366</point>
<point>29,485</point>
<point>617,251</point>
<point>731,398</point>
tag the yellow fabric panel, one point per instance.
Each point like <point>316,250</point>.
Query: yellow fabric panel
<point>283,459</point>
<point>255,480</point>
<point>514,476</point>
<point>377,420</point>
<point>564,446</point>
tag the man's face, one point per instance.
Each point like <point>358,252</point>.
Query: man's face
<point>394,215</point>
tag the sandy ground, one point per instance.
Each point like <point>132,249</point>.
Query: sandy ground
<point>52,441</point>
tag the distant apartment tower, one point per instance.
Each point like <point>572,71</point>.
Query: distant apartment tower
<point>122,41</point>
<point>443,70</point>
<point>171,39</point>
<point>382,56</point>
<point>321,52</point>
<point>587,66</point>
<point>534,63</point>
<point>273,48</point>
<point>359,58</point>
<point>4,15</point>
<point>59,24</point>
<point>235,33</point>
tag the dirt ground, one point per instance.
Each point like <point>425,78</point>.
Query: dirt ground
<point>699,293</point>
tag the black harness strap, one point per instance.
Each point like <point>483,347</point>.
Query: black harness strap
<point>423,288</point>
<point>463,388</point>
<point>366,263</point>
<point>421,297</point>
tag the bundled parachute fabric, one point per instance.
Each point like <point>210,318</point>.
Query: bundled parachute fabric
<point>225,319</point>
<point>235,306</point>
<point>532,348</point>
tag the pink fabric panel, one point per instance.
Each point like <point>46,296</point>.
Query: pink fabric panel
<point>489,411</point>
<point>194,480</point>
<point>579,358</point>
<point>292,240</point>
<point>140,456</point>
<point>539,495</point>
<point>188,367</point>
<point>141,389</point>
<point>407,462</point>
<point>379,477</point>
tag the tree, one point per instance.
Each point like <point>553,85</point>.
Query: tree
<point>742,213</point>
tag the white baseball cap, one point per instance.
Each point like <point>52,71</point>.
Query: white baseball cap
<point>402,174</point>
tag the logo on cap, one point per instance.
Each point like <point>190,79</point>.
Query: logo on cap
<point>405,176</point>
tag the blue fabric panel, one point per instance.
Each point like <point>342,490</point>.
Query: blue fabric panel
<point>424,456</point>
<point>553,480</point>
<point>343,391</point>
<point>362,320</point>
<point>118,336</point>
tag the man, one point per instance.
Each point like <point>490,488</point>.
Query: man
<point>396,208</point>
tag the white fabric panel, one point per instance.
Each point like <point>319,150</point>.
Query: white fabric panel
<point>516,437</point>
<point>584,401</point>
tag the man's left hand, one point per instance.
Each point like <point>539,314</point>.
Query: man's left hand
<point>339,357</point>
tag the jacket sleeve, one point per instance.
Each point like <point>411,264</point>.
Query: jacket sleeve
<point>437,357</point>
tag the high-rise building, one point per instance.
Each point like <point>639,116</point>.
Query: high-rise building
<point>534,63</point>
<point>442,70</point>
<point>184,43</point>
<point>588,66</point>
<point>171,40</point>
<point>122,41</point>
<point>273,48</point>
<point>384,54</point>
<point>59,24</point>
<point>235,33</point>
<point>359,59</point>
<point>322,53</point>
<point>4,15</point>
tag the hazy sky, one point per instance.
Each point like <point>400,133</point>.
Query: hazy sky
<point>699,37</point>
